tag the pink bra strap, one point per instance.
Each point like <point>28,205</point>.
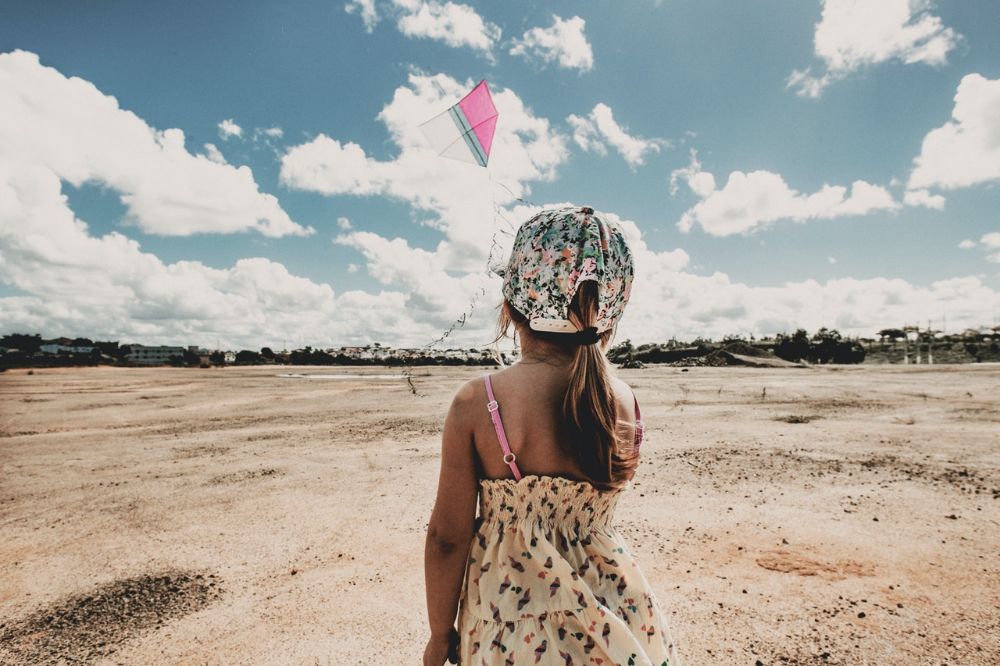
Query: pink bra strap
<point>494,409</point>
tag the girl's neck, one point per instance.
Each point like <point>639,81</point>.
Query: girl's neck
<point>542,353</point>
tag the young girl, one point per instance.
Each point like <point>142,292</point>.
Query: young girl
<point>542,576</point>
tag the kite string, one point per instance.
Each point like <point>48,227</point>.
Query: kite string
<point>498,213</point>
<point>494,246</point>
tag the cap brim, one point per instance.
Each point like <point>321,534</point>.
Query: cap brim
<point>552,325</point>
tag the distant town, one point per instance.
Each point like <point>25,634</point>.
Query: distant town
<point>905,345</point>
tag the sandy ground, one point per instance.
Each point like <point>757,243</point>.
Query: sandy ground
<point>836,515</point>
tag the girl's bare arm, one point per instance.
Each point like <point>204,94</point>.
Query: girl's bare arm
<point>450,530</point>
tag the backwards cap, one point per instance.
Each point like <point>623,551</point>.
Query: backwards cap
<point>557,250</point>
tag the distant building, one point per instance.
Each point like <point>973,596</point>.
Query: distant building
<point>65,349</point>
<point>152,355</point>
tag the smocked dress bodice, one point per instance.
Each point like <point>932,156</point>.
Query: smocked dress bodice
<point>550,581</point>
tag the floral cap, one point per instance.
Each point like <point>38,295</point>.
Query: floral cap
<point>553,253</point>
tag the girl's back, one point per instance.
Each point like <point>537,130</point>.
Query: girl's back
<point>532,396</point>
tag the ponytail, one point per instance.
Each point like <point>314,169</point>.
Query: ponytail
<point>590,405</point>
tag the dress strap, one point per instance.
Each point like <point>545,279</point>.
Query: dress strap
<point>639,430</point>
<point>494,409</point>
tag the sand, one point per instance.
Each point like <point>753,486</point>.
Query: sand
<point>831,515</point>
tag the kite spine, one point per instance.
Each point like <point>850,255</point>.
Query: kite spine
<point>470,137</point>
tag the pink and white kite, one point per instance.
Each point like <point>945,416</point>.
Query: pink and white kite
<point>465,131</point>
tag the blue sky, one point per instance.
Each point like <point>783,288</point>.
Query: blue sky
<point>766,251</point>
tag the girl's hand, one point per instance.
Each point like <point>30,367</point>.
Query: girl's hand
<point>442,648</point>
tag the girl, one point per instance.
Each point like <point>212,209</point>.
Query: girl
<point>542,576</point>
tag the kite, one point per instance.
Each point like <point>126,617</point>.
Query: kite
<point>465,131</point>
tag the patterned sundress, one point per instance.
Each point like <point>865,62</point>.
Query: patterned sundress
<point>549,580</point>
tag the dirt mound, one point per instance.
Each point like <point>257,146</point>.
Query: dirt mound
<point>89,626</point>
<point>733,354</point>
<point>746,349</point>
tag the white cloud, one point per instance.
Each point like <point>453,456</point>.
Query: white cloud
<point>459,199</point>
<point>667,300</point>
<point>832,260</point>
<point>454,24</point>
<point>344,223</point>
<point>853,34</point>
<point>923,198</point>
<point>72,131</point>
<point>366,10</point>
<point>228,129</point>
<point>701,182</point>
<point>684,305</point>
<point>134,296</point>
<point>599,129</point>
<point>213,153</point>
<point>457,25</point>
<point>46,252</point>
<point>966,150</point>
<point>751,201</point>
<point>269,132</point>
<point>78,284</point>
<point>989,242</point>
<point>437,295</point>
<point>564,43</point>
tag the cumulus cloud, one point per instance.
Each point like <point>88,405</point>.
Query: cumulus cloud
<point>438,295</point>
<point>366,10</point>
<point>685,305</point>
<point>853,34</point>
<point>454,197</point>
<point>989,242</point>
<point>228,129</point>
<point>563,43</point>
<point>213,153</point>
<point>964,151</point>
<point>454,24</point>
<point>74,283</point>
<point>923,198</point>
<point>75,133</point>
<point>669,299</point>
<point>268,133</point>
<point>752,201</point>
<point>599,129</point>
<point>460,201</point>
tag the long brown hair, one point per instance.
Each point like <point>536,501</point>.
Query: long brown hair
<point>590,406</point>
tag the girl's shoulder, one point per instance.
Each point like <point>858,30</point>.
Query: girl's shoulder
<point>472,391</point>
<point>625,397</point>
